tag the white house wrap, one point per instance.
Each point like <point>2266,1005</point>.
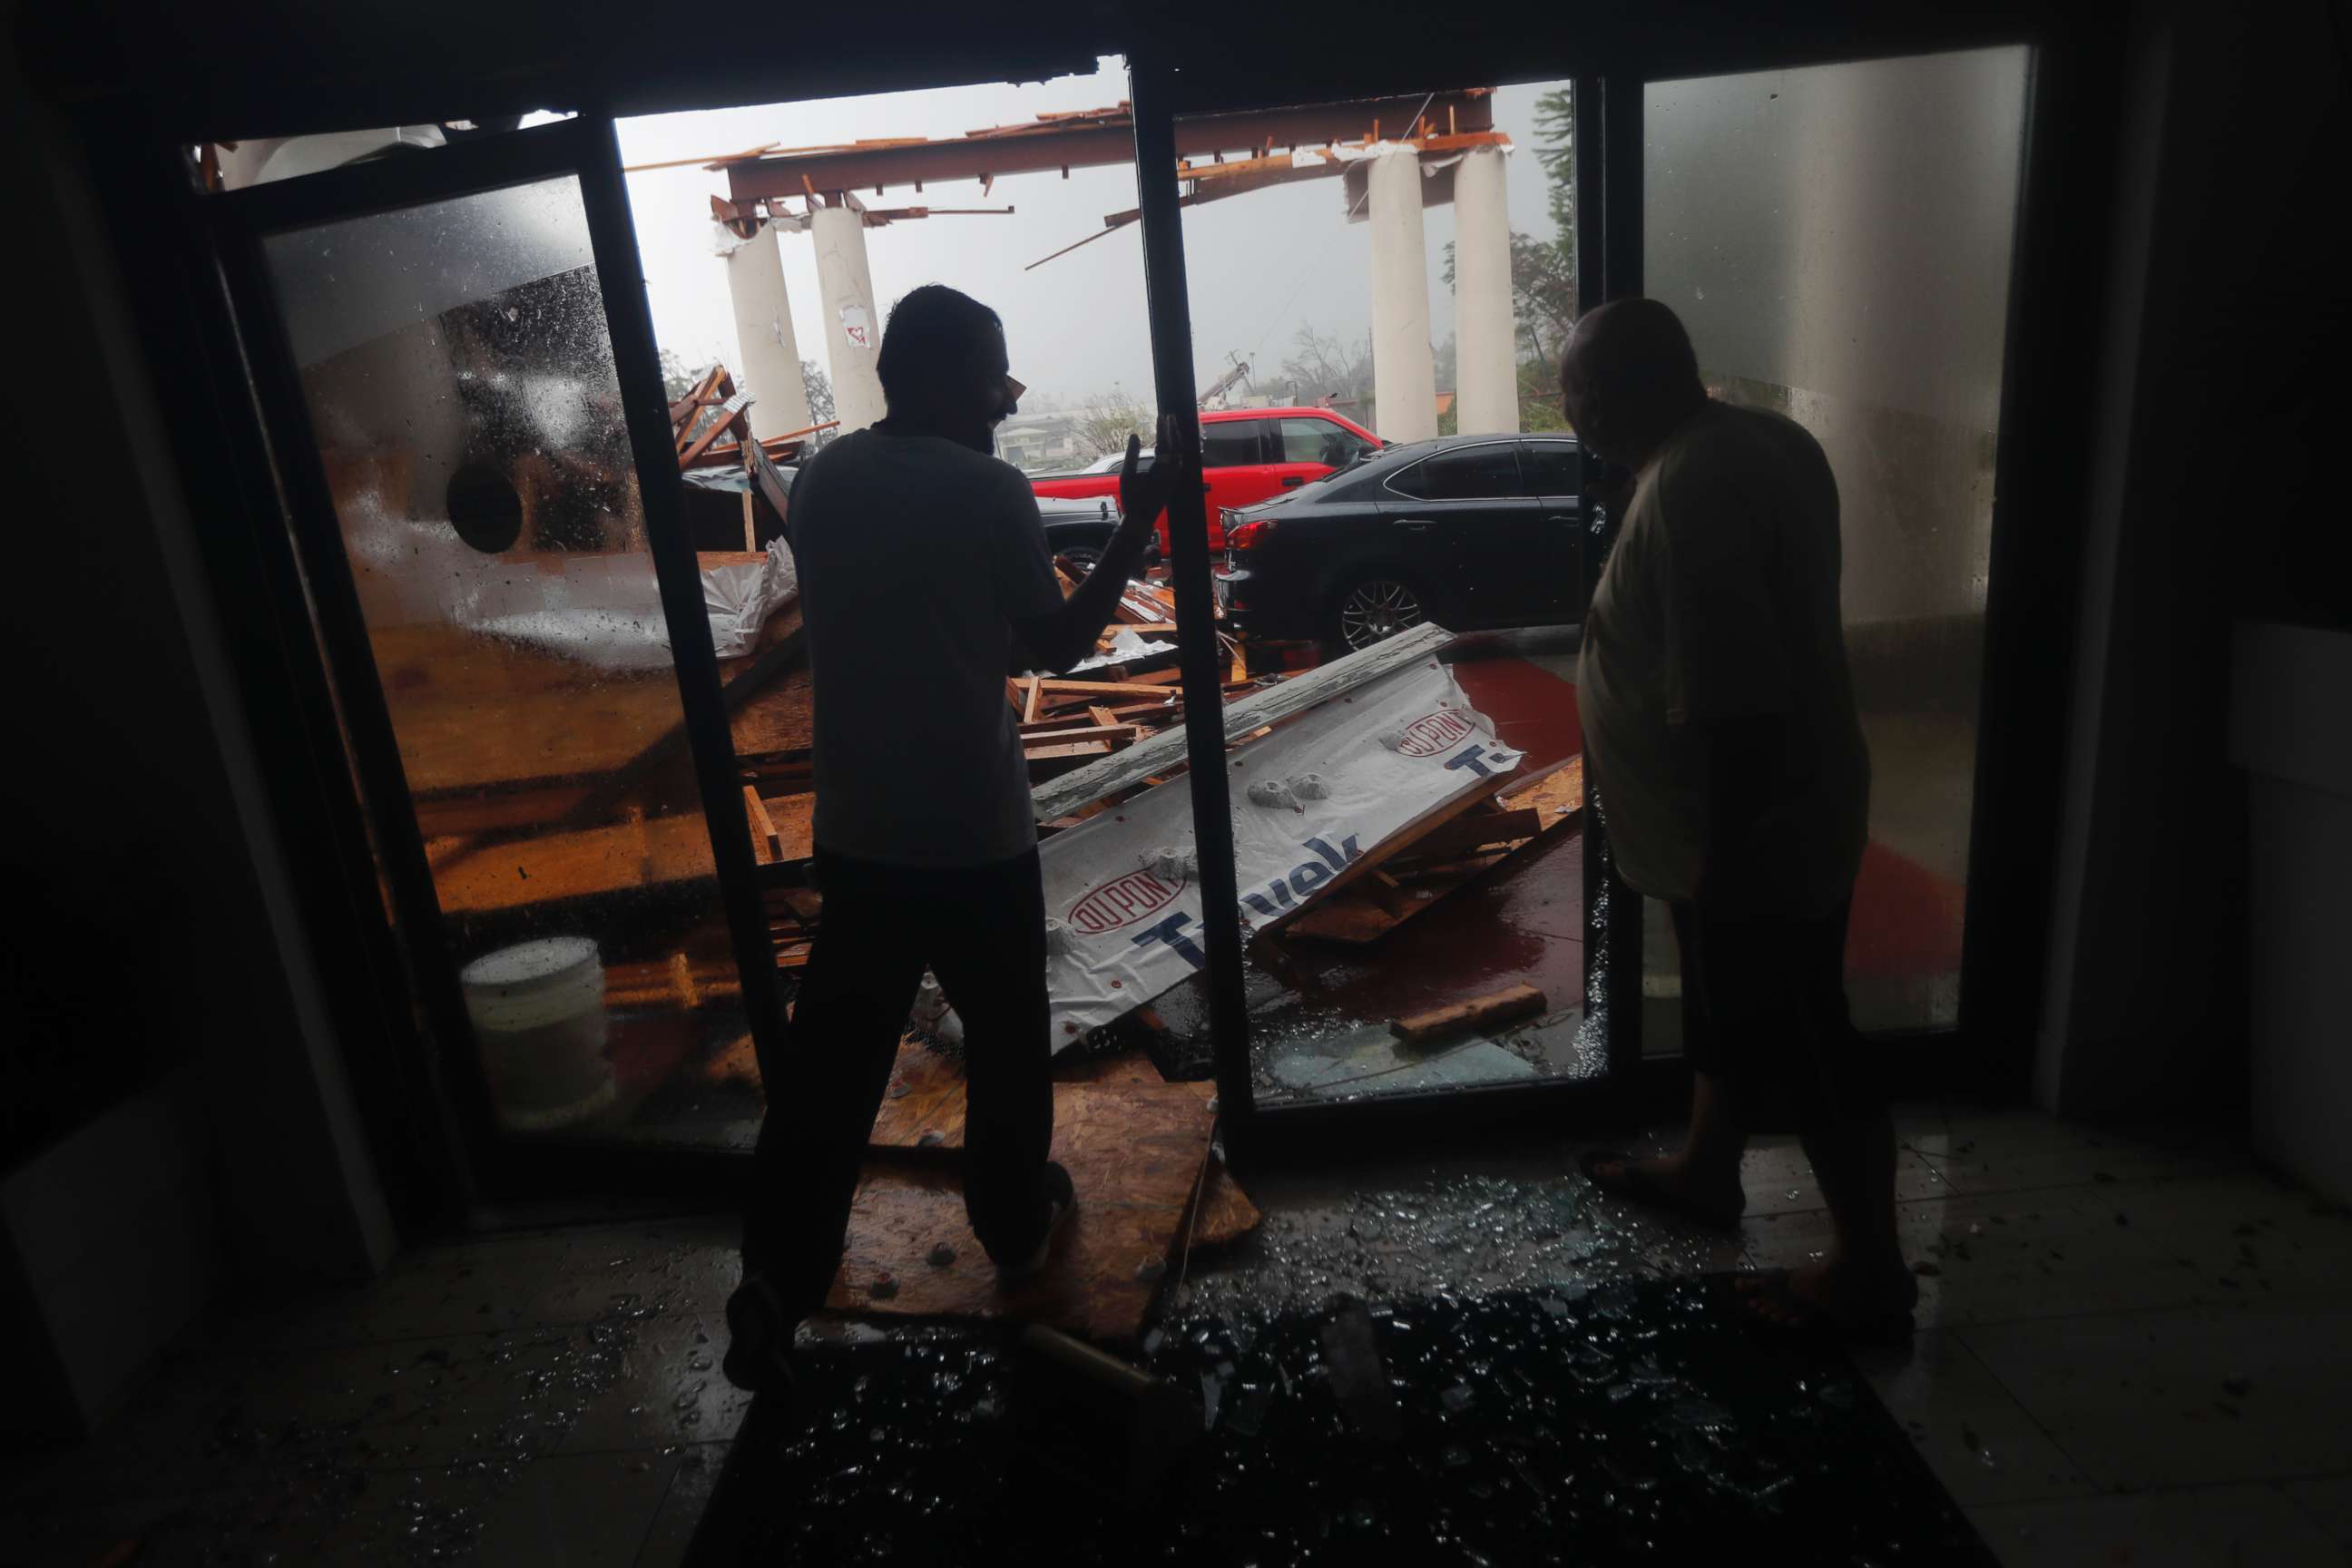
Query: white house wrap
<point>1340,779</point>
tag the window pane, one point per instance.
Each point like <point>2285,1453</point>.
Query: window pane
<point>1455,872</point>
<point>1232,443</point>
<point>1316,441</point>
<point>1550,468</point>
<point>459,377</point>
<point>1837,240</point>
<point>1481,473</point>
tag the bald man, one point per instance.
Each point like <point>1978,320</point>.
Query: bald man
<point>1720,730</point>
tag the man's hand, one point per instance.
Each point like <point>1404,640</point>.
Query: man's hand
<point>1068,636</point>
<point>1143,496</point>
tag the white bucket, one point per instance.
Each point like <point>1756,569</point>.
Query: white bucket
<point>538,1011</point>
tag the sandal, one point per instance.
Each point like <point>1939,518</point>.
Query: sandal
<point>1637,1185</point>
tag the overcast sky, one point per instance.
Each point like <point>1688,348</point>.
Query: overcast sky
<point>1259,264</point>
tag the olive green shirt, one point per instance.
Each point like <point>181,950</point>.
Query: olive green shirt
<point>1721,600</point>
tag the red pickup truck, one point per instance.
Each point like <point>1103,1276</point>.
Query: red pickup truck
<point>1248,454</point>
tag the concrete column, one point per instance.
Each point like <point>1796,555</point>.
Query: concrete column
<point>853,327</point>
<point>1404,372</point>
<point>768,356</point>
<point>1485,348</point>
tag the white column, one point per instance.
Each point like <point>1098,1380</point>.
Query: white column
<point>1404,372</point>
<point>853,328</point>
<point>1486,351</point>
<point>767,354</point>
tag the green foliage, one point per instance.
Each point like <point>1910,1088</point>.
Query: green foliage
<point>1539,396</point>
<point>677,379</point>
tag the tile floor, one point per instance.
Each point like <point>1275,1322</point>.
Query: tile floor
<point>2132,1351</point>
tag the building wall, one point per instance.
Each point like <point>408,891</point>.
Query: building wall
<point>2217,497</point>
<point>164,1059</point>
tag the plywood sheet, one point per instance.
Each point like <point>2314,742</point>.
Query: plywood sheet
<point>926,1093</point>
<point>1136,1152</point>
<point>1358,916</point>
<point>1224,1213</point>
<point>473,711</point>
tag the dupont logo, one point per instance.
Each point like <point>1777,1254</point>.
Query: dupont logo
<point>1123,901</point>
<point>1432,732</point>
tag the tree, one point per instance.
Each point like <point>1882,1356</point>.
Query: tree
<point>1556,151</point>
<point>1320,366</point>
<point>1110,418</point>
<point>1543,271</point>
<point>677,379</point>
<point>819,389</point>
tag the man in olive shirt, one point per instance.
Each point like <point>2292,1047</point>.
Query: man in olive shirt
<point>1720,730</point>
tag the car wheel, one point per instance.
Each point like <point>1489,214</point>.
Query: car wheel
<point>1079,558</point>
<point>1375,608</point>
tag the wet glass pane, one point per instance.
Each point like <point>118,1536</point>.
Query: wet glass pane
<point>839,209</point>
<point>459,379</point>
<point>1409,839</point>
<point>1837,239</point>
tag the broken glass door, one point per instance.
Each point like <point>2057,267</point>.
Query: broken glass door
<point>1837,239</point>
<point>1405,767</point>
<point>436,353</point>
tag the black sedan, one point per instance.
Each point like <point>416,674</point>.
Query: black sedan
<point>1470,532</point>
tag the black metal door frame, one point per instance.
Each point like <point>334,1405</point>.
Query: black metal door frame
<point>2036,555</point>
<point>584,148</point>
<point>1609,160</point>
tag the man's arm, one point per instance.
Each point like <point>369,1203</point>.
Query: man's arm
<point>1065,637</point>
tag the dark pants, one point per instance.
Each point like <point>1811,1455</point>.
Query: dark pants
<point>981,930</point>
<point>1764,1012</point>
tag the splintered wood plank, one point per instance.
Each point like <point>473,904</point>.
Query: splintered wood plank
<point>1547,802</point>
<point>1558,792</point>
<point>793,819</point>
<point>766,844</point>
<point>1042,742</point>
<point>925,1096</point>
<point>1506,1006</point>
<point>556,866</point>
<point>1098,688</point>
<point>1224,1213</point>
<point>1136,1152</point>
<point>1474,831</point>
<point>1263,707</point>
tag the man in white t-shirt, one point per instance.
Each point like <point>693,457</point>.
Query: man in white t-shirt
<point>924,582</point>
<point>1721,734</point>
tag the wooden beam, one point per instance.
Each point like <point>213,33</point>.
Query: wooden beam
<point>1508,1004</point>
<point>763,829</point>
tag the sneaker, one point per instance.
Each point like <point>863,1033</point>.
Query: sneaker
<point>1062,1195</point>
<point>758,1337</point>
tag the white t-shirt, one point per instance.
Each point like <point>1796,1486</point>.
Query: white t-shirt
<point>916,556</point>
<point>1721,600</point>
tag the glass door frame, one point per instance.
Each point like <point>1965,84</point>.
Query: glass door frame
<point>585,148</point>
<point>1989,1050</point>
<point>242,493</point>
<point>1608,157</point>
